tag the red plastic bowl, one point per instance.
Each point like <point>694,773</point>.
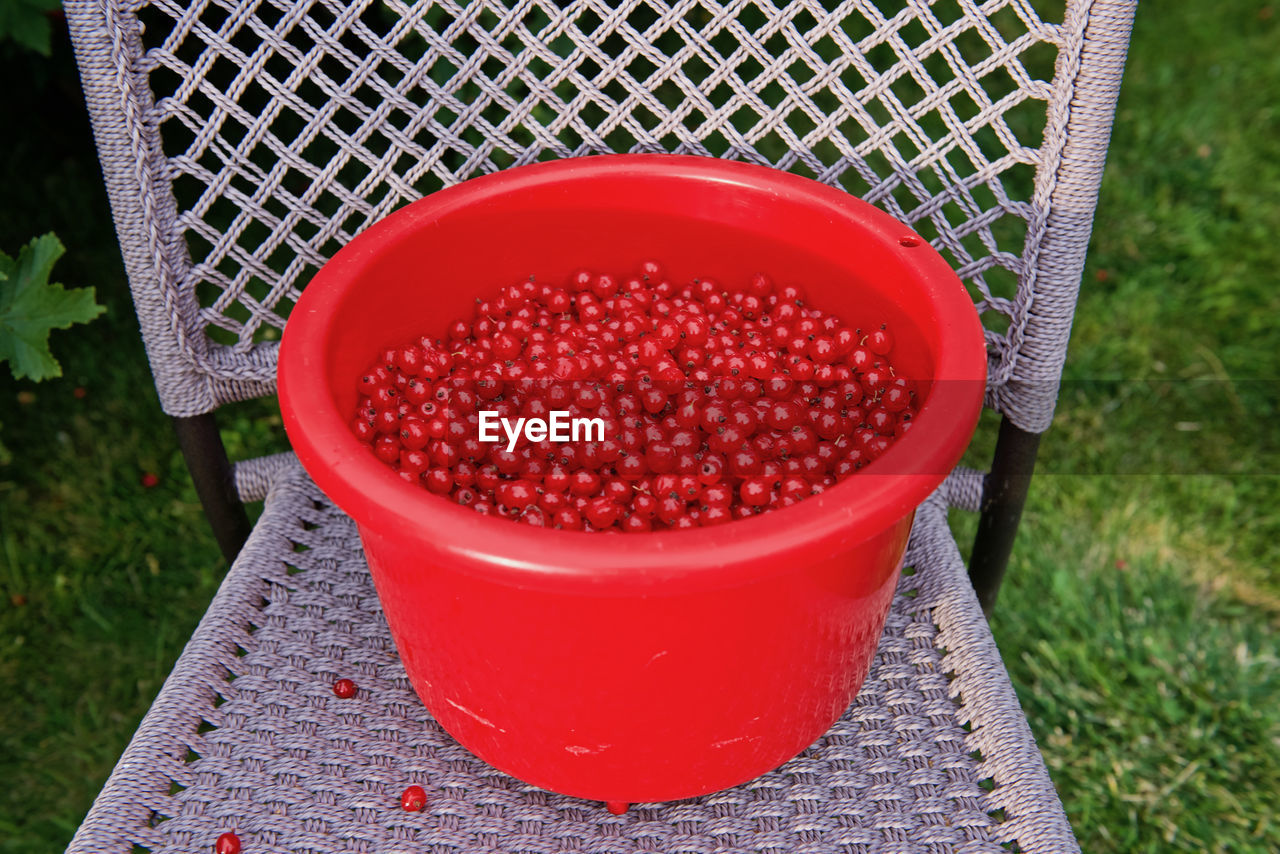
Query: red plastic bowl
<point>636,667</point>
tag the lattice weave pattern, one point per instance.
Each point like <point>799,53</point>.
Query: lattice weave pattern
<point>249,735</point>
<point>288,127</point>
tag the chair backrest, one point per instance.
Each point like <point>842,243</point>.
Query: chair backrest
<point>244,141</point>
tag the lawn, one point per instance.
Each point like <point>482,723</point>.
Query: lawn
<point>1139,617</point>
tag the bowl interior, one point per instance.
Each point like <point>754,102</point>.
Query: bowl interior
<point>431,269</point>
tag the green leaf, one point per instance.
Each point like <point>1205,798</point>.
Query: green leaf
<point>24,22</point>
<point>31,306</point>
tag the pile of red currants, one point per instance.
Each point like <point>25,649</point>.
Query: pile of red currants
<point>713,402</point>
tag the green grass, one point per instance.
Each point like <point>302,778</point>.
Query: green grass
<point>1153,699</point>
<point>101,580</point>
<point>1138,619</point>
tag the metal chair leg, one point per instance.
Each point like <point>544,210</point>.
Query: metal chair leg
<point>1003,495</point>
<point>211,471</point>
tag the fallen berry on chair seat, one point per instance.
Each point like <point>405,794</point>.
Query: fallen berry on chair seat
<point>344,688</point>
<point>228,843</point>
<point>414,799</point>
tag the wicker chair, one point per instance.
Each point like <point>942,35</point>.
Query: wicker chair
<point>244,141</point>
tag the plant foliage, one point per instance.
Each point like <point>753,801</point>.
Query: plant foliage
<point>31,307</point>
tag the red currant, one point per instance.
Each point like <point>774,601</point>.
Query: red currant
<point>413,799</point>
<point>879,342</point>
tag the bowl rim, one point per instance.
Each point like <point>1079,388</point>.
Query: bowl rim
<point>853,511</point>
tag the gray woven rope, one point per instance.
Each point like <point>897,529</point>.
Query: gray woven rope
<point>253,478</point>
<point>247,734</point>
<point>244,142</point>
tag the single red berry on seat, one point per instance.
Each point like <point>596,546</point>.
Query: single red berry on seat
<point>228,843</point>
<point>344,689</point>
<point>414,799</point>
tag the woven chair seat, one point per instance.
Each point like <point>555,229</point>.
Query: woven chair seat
<point>933,755</point>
